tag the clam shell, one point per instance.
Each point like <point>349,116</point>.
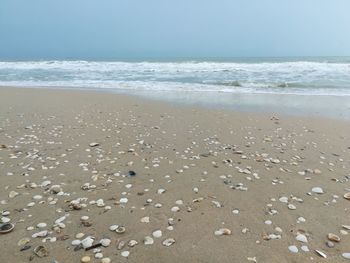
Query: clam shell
<point>333,237</point>
<point>6,228</point>
<point>120,229</point>
<point>347,196</point>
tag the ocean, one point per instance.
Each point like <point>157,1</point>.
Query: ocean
<point>296,86</point>
<point>297,76</point>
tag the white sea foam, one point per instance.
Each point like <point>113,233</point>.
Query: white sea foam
<point>290,77</point>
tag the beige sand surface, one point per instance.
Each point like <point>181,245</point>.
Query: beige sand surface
<point>238,161</point>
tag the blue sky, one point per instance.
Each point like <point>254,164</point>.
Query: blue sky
<point>112,29</point>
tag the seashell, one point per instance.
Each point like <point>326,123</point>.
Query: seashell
<point>175,209</point>
<point>333,237</point>
<point>148,240</point>
<point>320,253</point>
<point>317,190</point>
<point>41,251</point>
<point>13,194</point>
<point>85,259</point>
<point>132,243</point>
<point>145,219</point>
<point>40,234</point>
<point>41,225</point>
<point>301,238</point>
<point>293,249</point>
<point>105,242</point>
<point>98,255</point>
<point>123,200</point>
<point>120,230</point>
<point>168,242</point>
<point>87,242</point>
<point>113,227</point>
<point>125,254</point>
<point>6,228</point>
<point>23,241</point>
<point>347,196</point>
<point>157,234</point>
<point>76,242</point>
<point>222,231</point>
<point>346,255</point>
<point>94,144</point>
<point>120,245</point>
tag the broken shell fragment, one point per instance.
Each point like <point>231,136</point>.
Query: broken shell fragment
<point>168,242</point>
<point>222,232</point>
<point>41,251</point>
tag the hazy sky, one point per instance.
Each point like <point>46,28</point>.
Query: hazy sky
<point>112,29</point>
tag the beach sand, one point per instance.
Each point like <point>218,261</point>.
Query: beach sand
<point>205,163</point>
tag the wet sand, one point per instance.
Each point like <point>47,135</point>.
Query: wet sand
<point>197,171</point>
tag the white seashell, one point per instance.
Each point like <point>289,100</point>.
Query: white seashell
<point>148,240</point>
<point>76,242</point>
<point>305,248</point>
<point>145,219</point>
<point>283,199</point>
<point>293,249</point>
<point>41,225</point>
<point>37,197</point>
<point>99,255</point>
<point>40,234</point>
<point>100,203</point>
<point>157,234</point>
<point>13,194</point>
<point>84,218</point>
<point>317,190</point>
<point>45,183</point>
<point>132,243</point>
<point>175,209</point>
<point>123,200</point>
<point>168,242</point>
<point>346,255</point>
<point>321,254</point>
<point>105,242</point>
<point>87,242</point>
<point>179,202</point>
<point>292,207</point>
<point>161,191</point>
<point>125,254</point>
<point>113,227</point>
<point>5,219</point>
<point>301,238</point>
<point>222,231</point>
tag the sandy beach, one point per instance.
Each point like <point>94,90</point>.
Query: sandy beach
<point>150,181</point>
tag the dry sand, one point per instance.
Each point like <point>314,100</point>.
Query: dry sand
<point>237,161</point>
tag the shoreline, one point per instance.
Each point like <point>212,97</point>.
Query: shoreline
<point>68,155</point>
<point>309,106</point>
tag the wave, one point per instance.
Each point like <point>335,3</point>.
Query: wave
<point>288,77</point>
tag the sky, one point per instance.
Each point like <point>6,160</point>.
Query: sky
<point>115,29</point>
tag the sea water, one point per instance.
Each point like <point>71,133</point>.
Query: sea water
<point>252,81</point>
